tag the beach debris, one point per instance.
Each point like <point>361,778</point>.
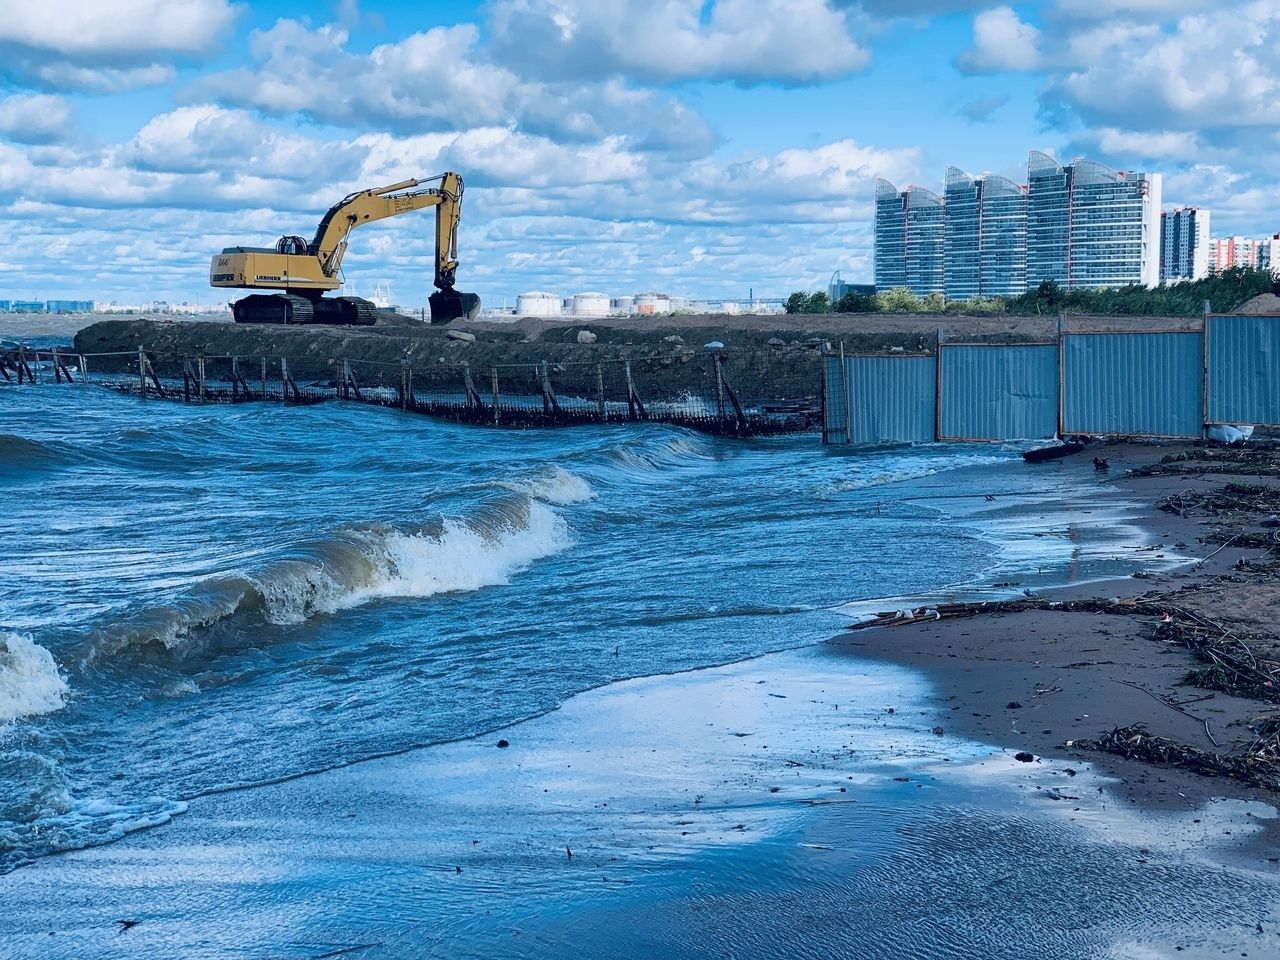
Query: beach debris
<point>1024,757</point>
<point>1056,452</point>
<point>461,335</point>
<point>939,731</point>
<point>568,852</point>
<point>1013,705</point>
<point>586,336</point>
<point>1257,765</point>
<point>1234,666</point>
<point>503,744</point>
<point>1101,464</point>
<point>127,924</point>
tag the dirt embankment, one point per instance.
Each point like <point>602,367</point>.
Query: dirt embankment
<point>672,349</point>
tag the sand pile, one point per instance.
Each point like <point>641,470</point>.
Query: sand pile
<point>1262,303</point>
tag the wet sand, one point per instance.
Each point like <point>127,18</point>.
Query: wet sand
<point>1076,675</point>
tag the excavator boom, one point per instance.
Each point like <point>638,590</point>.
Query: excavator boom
<point>303,271</point>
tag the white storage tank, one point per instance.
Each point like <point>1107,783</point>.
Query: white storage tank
<point>590,305</point>
<point>538,303</point>
<point>622,306</point>
<point>650,303</point>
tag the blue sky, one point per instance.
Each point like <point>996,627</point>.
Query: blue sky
<point>700,147</point>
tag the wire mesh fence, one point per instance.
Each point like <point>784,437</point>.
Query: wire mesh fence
<point>730,392</point>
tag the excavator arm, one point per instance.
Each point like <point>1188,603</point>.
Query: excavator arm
<point>443,192</point>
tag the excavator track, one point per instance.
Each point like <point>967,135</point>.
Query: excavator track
<point>273,308</point>
<point>355,311</point>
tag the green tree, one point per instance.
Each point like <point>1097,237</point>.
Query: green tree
<point>898,300</point>
<point>855,303</point>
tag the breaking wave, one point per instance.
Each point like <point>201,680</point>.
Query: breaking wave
<point>354,566</point>
<point>556,485</point>
<point>678,451</point>
<point>30,682</point>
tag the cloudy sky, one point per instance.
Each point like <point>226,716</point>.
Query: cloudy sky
<point>703,147</point>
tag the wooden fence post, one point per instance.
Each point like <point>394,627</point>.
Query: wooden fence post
<point>600,404</point>
<point>493,376</point>
<point>142,373</point>
<point>716,360</point>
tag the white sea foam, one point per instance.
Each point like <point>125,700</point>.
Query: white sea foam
<point>463,557</point>
<point>30,682</point>
<point>559,486</point>
<point>360,565</point>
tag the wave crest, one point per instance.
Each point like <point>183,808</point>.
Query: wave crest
<point>555,485</point>
<point>351,568</point>
<point>30,682</point>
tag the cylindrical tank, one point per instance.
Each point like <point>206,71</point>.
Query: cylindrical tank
<point>538,303</point>
<point>591,305</point>
<point>622,306</point>
<point>653,303</point>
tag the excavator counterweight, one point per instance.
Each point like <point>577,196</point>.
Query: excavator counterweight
<point>301,272</point>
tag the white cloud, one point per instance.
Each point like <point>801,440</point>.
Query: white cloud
<point>746,41</point>
<point>591,214</point>
<point>1001,41</point>
<point>204,137</point>
<point>1160,145</point>
<point>36,118</point>
<point>442,80</point>
<point>90,30</point>
<point>1213,70</point>
<point>61,75</point>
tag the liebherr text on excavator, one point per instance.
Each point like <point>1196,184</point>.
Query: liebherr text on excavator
<point>304,272</point>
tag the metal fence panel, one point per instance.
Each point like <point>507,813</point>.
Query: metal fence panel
<point>1244,370</point>
<point>1148,384</point>
<point>835,410</point>
<point>892,398</point>
<point>1006,392</point>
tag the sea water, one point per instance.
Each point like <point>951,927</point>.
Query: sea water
<point>197,598</point>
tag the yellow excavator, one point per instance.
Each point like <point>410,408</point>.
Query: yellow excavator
<point>305,271</point>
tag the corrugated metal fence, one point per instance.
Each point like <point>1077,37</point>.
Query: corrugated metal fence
<point>1139,384</point>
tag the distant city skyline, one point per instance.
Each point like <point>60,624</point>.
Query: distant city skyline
<point>705,148</point>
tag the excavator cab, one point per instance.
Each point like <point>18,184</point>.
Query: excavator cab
<point>293,245</point>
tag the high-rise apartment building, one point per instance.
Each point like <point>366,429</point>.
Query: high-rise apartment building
<point>1091,226</point>
<point>1048,213</point>
<point>1269,254</point>
<point>1184,244</point>
<point>985,242</point>
<point>909,228</point>
<point>1082,226</point>
<point>1228,252</point>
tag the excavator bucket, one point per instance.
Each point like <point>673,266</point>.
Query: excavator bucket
<point>449,305</point>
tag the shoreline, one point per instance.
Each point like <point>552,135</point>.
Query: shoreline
<point>813,778</point>
<point>1076,675</point>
